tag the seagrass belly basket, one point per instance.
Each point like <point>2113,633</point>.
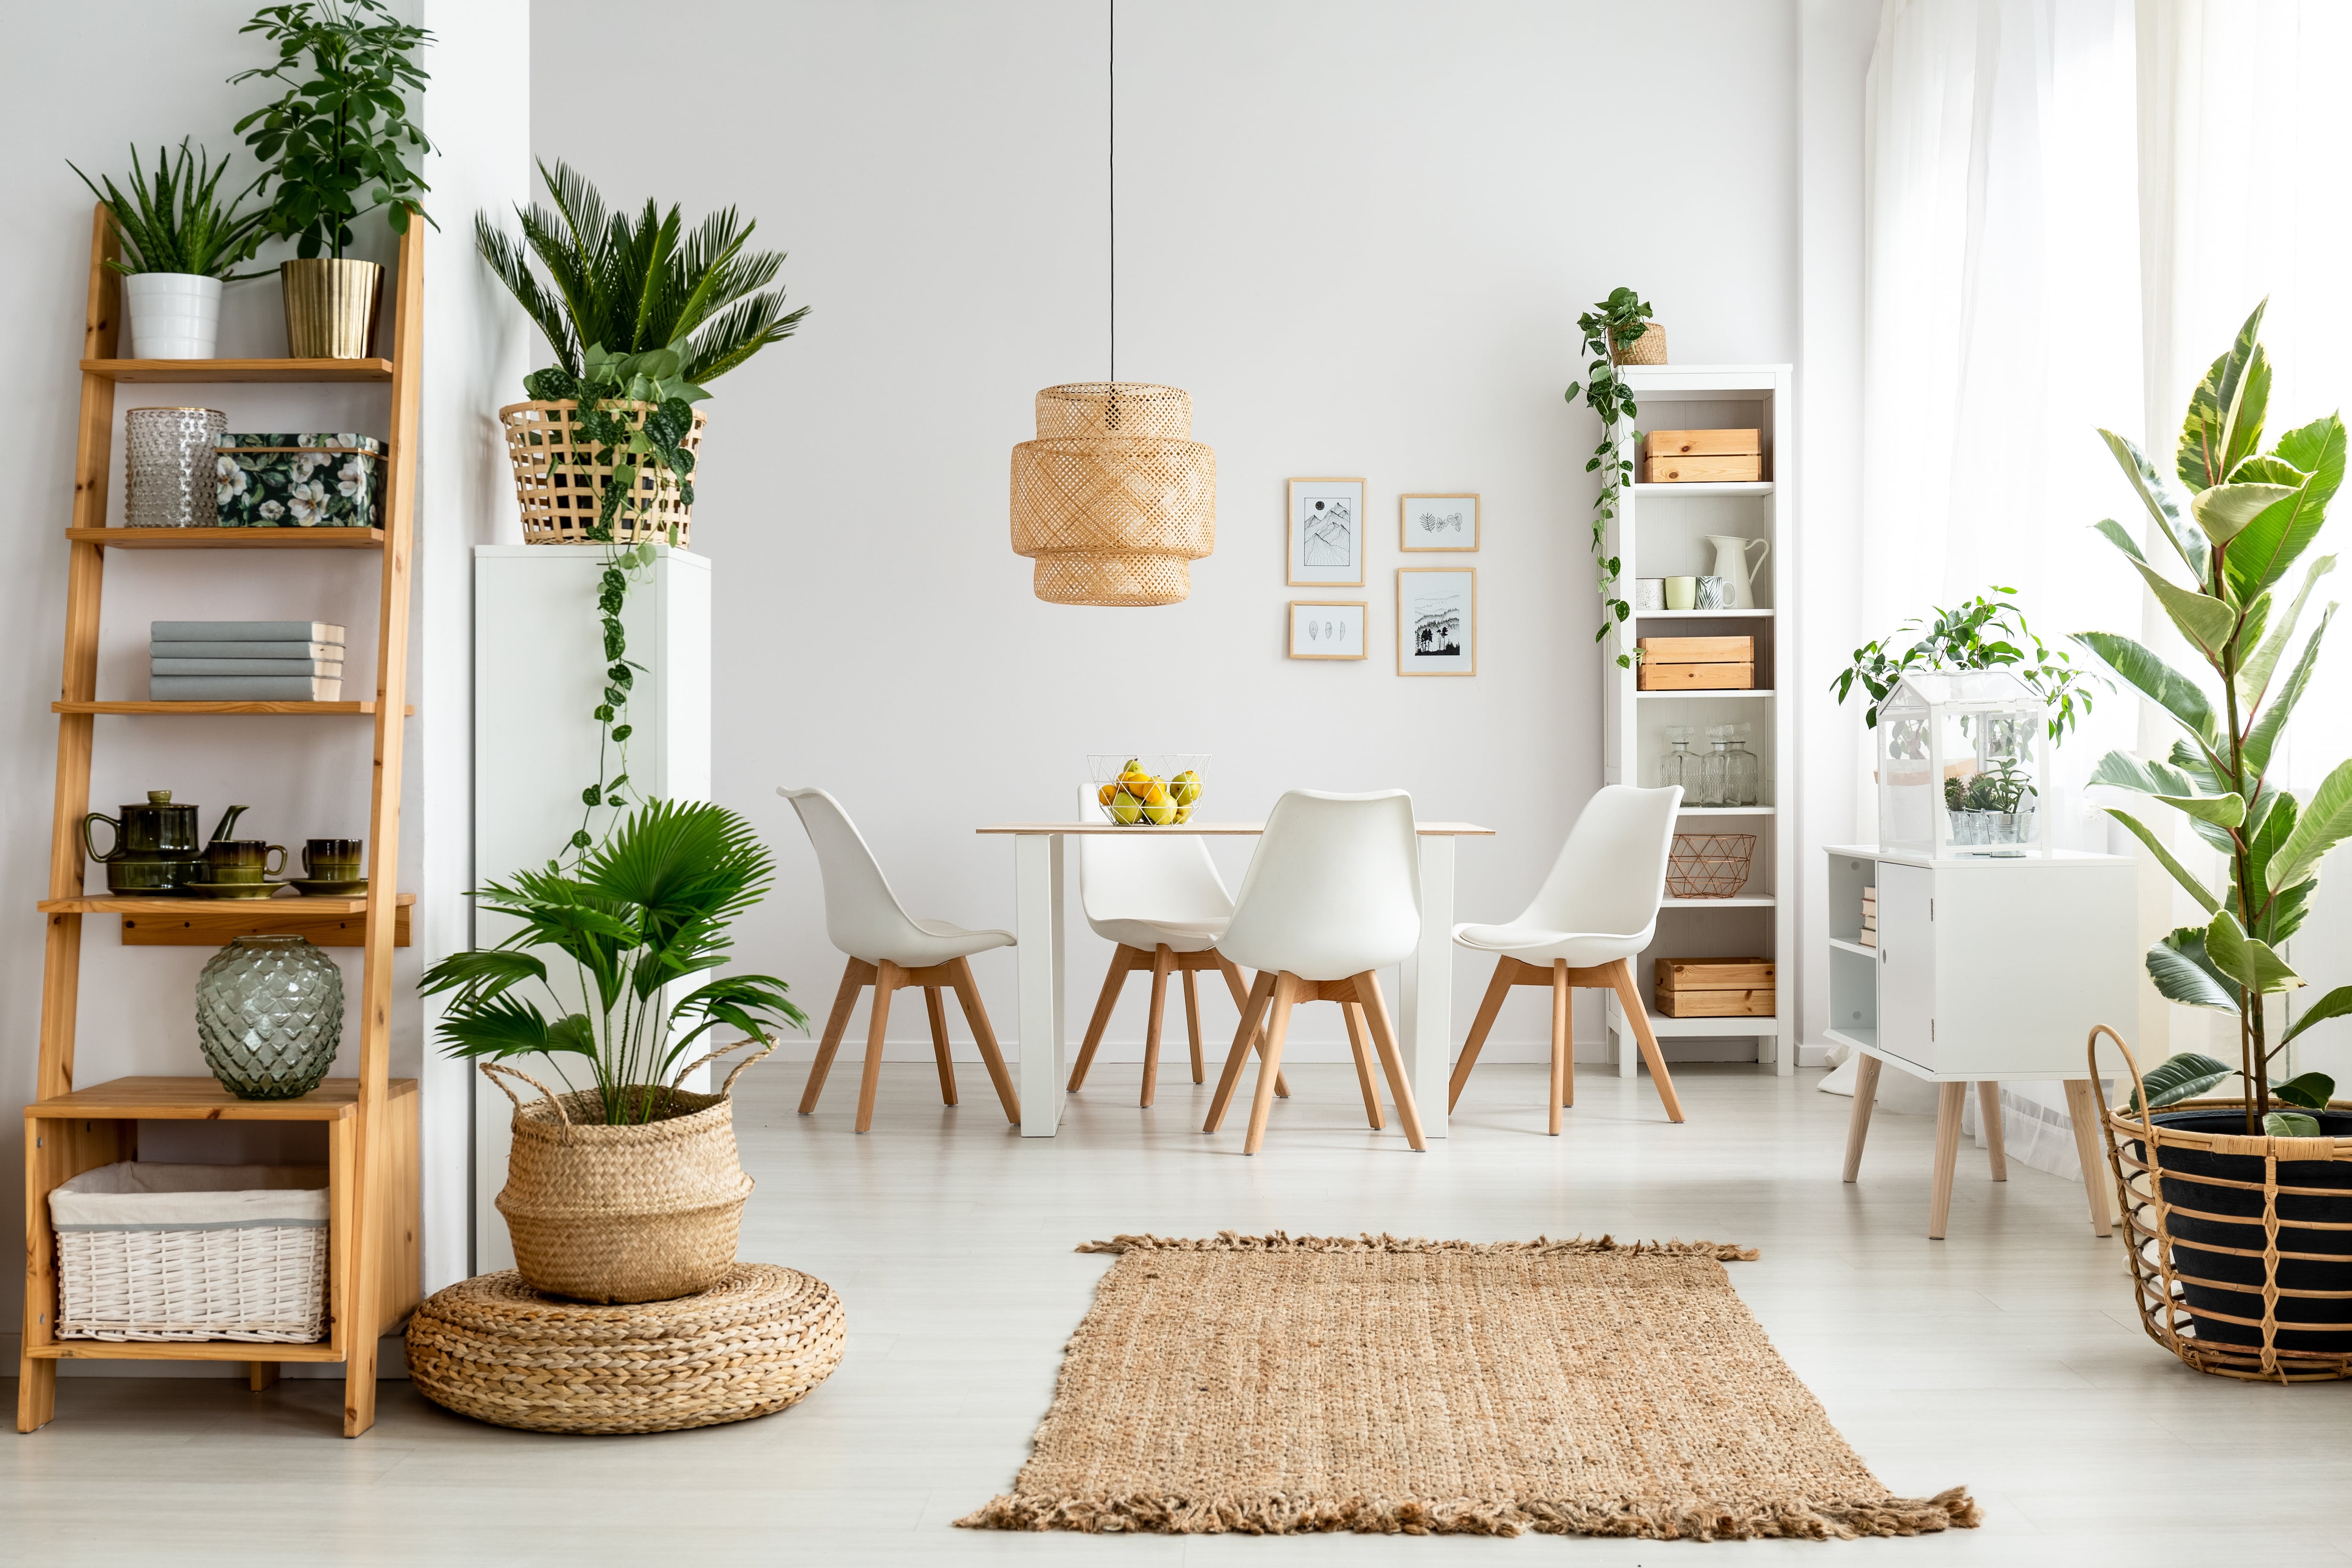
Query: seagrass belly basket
<point>639,1211</point>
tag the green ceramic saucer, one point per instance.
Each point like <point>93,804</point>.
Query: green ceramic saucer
<point>318,889</point>
<point>232,889</point>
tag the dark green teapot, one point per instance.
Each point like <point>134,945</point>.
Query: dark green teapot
<point>156,849</point>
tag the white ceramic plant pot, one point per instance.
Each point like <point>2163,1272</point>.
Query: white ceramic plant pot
<point>173,315</point>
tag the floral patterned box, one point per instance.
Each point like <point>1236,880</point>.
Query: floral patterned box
<point>274,480</point>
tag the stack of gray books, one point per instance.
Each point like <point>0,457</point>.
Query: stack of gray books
<point>245,661</point>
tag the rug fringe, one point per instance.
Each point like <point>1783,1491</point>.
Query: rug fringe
<point>1283,1241</point>
<point>1689,1520</point>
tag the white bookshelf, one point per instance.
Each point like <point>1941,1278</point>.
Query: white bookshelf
<point>1660,531</point>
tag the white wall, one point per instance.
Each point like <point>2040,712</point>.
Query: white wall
<point>1358,234</point>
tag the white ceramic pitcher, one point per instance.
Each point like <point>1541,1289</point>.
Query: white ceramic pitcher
<point>1732,564</point>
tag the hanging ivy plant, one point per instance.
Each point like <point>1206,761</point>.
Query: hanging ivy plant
<point>1610,327</point>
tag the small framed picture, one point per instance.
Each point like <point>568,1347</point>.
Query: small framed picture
<point>1326,629</point>
<point>1326,529</point>
<point>1437,620</point>
<point>1437,522</point>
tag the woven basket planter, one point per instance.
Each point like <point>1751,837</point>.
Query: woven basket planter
<point>1114,500</point>
<point>1649,348</point>
<point>639,1212</point>
<point>2240,1248</point>
<point>560,487</point>
<point>756,1342</point>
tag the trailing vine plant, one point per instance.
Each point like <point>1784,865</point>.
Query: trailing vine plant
<point>1610,327</point>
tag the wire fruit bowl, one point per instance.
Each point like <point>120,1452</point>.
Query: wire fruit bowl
<point>1148,789</point>
<point>1709,865</point>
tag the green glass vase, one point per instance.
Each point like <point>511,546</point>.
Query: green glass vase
<point>270,1016</point>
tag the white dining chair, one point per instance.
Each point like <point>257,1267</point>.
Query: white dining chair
<point>1332,894</point>
<point>1593,914</point>
<point>889,950</point>
<point>1159,899</point>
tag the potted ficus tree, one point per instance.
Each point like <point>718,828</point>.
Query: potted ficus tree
<point>2247,518</point>
<point>626,1188</point>
<point>181,240</point>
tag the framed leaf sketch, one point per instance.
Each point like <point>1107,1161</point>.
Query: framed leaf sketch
<point>1437,522</point>
<point>1326,534</point>
<point>1327,628</point>
<point>1437,620</point>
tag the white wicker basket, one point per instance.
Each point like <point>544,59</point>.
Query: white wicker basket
<point>193,1252</point>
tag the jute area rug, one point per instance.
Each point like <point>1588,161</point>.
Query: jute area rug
<point>1269,1385</point>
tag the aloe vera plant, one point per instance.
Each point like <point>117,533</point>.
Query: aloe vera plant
<point>2250,515</point>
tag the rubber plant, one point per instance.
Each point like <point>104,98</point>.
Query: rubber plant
<point>1610,327</point>
<point>1979,634</point>
<point>648,910</point>
<point>640,315</point>
<point>2248,515</point>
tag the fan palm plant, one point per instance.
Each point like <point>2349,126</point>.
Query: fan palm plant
<point>651,907</point>
<point>635,286</point>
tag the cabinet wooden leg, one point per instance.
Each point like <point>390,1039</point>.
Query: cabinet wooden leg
<point>260,1374</point>
<point>1857,1126</point>
<point>37,1393</point>
<point>1948,1098</point>
<point>2083,1110</point>
<point>1989,1111</point>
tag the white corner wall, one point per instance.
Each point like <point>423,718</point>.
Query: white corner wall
<point>1358,232</point>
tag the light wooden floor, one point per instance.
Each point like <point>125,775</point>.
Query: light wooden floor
<point>2004,1358</point>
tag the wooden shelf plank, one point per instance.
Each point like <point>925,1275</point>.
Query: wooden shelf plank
<point>230,538</point>
<point>182,1350</point>
<point>194,372</point>
<point>106,904</point>
<point>194,710</point>
<point>202,1100</point>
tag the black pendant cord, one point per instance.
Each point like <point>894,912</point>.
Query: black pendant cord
<point>1110,8</point>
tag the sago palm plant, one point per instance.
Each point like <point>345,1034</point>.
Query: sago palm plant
<point>2250,515</point>
<point>632,286</point>
<point>649,909</point>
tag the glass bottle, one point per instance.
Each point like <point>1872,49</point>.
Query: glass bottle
<point>1715,768</point>
<point>1743,781</point>
<point>1674,767</point>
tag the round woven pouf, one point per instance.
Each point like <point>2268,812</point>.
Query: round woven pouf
<point>493,1348</point>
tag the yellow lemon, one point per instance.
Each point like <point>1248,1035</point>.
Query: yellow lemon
<point>1103,795</point>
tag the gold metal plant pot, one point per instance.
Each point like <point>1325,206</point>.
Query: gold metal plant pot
<point>329,308</point>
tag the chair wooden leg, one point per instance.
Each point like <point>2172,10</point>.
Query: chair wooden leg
<point>2083,1110</point>
<point>1497,990</point>
<point>1376,1013</point>
<point>1163,964</point>
<point>1638,1017</point>
<point>1122,960</point>
<point>1193,1023</point>
<point>1277,1026</point>
<point>1232,975</point>
<point>1988,1110</point>
<point>1947,1155</point>
<point>968,994</point>
<point>1857,1126</point>
<point>1559,1015</point>
<point>1254,1007</point>
<point>887,977</point>
<point>260,1374</point>
<point>938,1017</point>
<point>855,978</point>
<point>1359,1044</point>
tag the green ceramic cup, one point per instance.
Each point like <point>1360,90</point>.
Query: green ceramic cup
<point>333,860</point>
<point>242,859</point>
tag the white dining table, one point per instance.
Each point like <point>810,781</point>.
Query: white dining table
<point>1424,1007</point>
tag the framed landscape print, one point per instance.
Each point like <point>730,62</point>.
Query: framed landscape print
<point>1325,546</point>
<point>1437,522</point>
<point>1327,628</point>
<point>1437,620</point>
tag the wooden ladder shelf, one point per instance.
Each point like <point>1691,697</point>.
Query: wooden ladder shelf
<point>370,1120</point>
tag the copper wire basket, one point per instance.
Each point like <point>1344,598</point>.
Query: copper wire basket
<point>1709,865</point>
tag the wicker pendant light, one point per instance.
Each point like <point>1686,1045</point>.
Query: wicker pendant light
<point>1114,500</point>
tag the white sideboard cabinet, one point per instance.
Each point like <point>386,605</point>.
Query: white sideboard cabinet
<point>1983,969</point>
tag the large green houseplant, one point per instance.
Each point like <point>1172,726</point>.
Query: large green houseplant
<point>1979,634</point>
<point>2249,515</point>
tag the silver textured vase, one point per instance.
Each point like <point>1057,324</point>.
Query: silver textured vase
<point>168,460</point>
<point>270,1016</point>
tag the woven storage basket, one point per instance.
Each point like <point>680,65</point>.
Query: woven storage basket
<point>560,486</point>
<point>1709,865</point>
<point>1114,500</point>
<point>756,1342</point>
<point>2240,1248</point>
<point>193,1252</point>
<point>1649,348</point>
<point>632,1213</point>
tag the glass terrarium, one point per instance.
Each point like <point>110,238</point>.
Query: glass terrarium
<point>1961,758</point>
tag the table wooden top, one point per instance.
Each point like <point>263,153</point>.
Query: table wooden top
<point>203,1100</point>
<point>1214,829</point>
